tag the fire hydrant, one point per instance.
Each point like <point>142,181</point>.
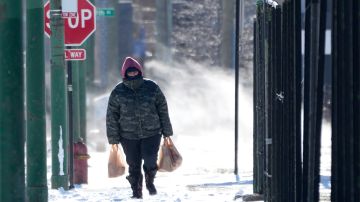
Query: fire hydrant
<point>80,163</point>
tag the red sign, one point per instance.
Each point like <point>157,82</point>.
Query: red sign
<point>78,29</point>
<point>75,54</point>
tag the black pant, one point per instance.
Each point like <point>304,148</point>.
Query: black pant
<point>144,149</point>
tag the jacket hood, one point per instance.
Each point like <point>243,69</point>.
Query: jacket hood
<point>130,62</point>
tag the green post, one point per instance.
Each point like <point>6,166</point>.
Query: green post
<point>12,169</point>
<point>227,53</point>
<point>86,74</point>
<point>59,126</point>
<point>35,91</point>
<point>164,28</point>
<point>90,67</point>
<point>75,101</point>
<point>82,100</point>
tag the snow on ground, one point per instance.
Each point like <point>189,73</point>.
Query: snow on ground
<point>203,176</point>
<point>176,186</point>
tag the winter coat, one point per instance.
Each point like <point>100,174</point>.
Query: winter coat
<point>136,109</point>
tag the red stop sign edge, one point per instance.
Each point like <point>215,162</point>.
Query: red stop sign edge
<point>73,44</point>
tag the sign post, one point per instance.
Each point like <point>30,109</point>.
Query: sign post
<point>59,124</point>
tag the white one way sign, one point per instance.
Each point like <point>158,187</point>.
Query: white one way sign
<point>75,54</point>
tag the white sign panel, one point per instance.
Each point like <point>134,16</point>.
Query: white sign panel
<point>69,8</point>
<point>75,54</point>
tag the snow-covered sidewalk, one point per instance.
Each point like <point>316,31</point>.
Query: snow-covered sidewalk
<point>175,186</point>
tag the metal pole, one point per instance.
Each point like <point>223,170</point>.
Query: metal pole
<point>79,144</point>
<point>261,134</point>
<point>227,52</point>
<point>286,118</point>
<point>356,26</point>
<point>59,122</point>
<point>71,122</point>
<point>82,103</point>
<point>267,136</point>
<point>275,105</point>
<point>260,120</point>
<point>102,71</point>
<point>278,95</point>
<point>88,78</point>
<point>241,16</point>
<point>345,180</point>
<point>306,102</point>
<point>256,185</point>
<point>82,94</point>
<point>337,193</point>
<point>75,100</point>
<point>164,27</point>
<point>237,35</point>
<point>90,63</point>
<point>35,92</point>
<point>297,94</point>
<point>124,13</point>
<point>12,174</point>
<point>283,98</point>
<point>313,97</point>
<point>271,121</point>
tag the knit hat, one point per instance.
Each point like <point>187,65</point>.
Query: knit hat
<point>130,62</point>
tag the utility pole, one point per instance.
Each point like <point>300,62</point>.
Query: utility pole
<point>90,62</point>
<point>124,14</point>
<point>237,35</point>
<point>82,92</point>
<point>12,174</point>
<point>75,100</point>
<point>164,27</point>
<point>35,104</point>
<point>105,46</point>
<point>227,52</point>
<point>59,125</point>
<point>71,123</point>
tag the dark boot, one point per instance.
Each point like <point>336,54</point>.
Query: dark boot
<point>136,185</point>
<point>149,180</point>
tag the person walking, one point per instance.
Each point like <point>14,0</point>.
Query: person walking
<point>137,117</point>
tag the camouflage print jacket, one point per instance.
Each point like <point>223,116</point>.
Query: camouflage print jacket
<point>137,109</point>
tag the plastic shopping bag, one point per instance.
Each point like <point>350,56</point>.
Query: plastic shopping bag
<point>116,164</point>
<point>169,157</point>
